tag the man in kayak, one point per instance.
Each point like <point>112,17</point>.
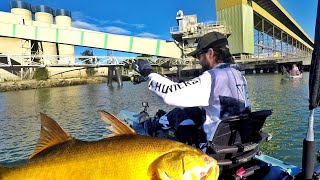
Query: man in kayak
<point>295,70</point>
<point>221,90</point>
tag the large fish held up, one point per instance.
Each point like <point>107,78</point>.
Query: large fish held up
<point>125,155</point>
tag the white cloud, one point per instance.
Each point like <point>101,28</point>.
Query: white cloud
<point>148,35</point>
<point>83,21</point>
<point>93,27</point>
<point>79,16</point>
<point>85,25</point>
<point>119,22</point>
<point>138,26</point>
<point>116,30</point>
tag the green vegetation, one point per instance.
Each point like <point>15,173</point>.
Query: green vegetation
<point>41,74</point>
<point>89,71</point>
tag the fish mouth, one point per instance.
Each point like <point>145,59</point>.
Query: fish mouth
<point>210,170</point>
<point>203,175</point>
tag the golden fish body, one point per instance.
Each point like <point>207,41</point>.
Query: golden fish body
<point>119,157</point>
<point>126,156</point>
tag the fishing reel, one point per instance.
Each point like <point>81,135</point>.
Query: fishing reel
<point>137,79</point>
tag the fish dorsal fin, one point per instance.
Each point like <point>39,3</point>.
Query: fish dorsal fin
<point>51,134</point>
<point>117,127</point>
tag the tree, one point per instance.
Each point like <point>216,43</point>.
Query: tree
<point>41,74</point>
<point>89,52</point>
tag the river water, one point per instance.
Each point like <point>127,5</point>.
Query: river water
<point>75,109</point>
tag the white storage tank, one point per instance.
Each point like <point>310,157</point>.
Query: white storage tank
<point>21,8</point>
<point>66,52</point>
<point>44,14</point>
<point>22,12</point>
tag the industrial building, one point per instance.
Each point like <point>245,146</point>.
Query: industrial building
<point>261,35</point>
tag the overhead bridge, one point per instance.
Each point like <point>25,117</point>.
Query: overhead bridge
<point>273,12</point>
<point>80,37</point>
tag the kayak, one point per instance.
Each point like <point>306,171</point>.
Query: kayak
<point>260,166</point>
<point>294,76</point>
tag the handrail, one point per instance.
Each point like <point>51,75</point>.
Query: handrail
<point>214,24</point>
<point>72,61</point>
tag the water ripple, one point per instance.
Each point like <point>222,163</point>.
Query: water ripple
<point>75,109</point>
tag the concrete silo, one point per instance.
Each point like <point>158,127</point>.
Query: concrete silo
<point>44,14</point>
<point>20,12</point>
<point>66,52</point>
<point>21,8</point>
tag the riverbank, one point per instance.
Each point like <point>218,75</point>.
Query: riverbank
<point>34,84</point>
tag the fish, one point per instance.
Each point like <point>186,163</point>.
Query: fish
<point>124,155</point>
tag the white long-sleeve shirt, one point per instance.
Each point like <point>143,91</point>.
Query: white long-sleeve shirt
<point>221,91</point>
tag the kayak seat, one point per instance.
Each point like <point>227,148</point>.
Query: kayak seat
<point>237,139</point>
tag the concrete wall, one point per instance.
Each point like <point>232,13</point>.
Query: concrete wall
<point>239,15</point>
<point>7,76</point>
<point>10,18</point>
<point>12,46</point>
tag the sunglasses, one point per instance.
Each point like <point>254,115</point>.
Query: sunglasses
<point>202,51</point>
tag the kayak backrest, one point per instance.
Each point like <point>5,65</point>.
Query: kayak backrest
<point>237,138</point>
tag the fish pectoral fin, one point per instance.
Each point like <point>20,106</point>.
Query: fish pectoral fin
<point>166,167</point>
<point>184,164</point>
<point>51,134</point>
<point>117,126</point>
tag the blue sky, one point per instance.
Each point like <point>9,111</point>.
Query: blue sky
<point>153,18</point>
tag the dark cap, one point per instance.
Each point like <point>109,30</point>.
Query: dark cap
<point>211,40</point>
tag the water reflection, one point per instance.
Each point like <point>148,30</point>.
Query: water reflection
<point>75,109</point>
<point>288,123</point>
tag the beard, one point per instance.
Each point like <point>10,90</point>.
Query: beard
<point>205,68</point>
<point>205,65</point>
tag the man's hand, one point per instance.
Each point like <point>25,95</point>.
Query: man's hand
<point>126,65</point>
<point>142,67</point>
<point>137,79</point>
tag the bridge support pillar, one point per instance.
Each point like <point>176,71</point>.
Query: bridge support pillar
<point>160,70</point>
<point>117,71</point>
<point>21,74</point>
<point>276,68</point>
<point>179,69</point>
<point>118,75</point>
<point>265,70</point>
<point>249,71</point>
<point>110,75</point>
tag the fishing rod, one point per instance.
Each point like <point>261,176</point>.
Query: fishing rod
<point>314,98</point>
<point>284,69</point>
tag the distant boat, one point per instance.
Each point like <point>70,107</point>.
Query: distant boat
<point>290,76</point>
